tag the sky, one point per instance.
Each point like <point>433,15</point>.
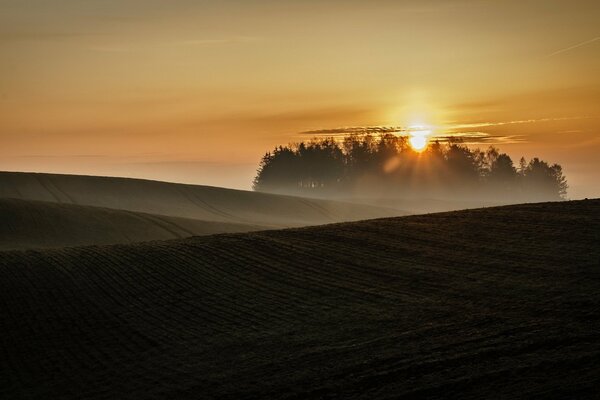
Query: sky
<point>197,91</point>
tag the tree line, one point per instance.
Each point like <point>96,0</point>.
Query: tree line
<point>363,164</point>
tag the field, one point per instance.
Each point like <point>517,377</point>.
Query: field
<point>28,224</point>
<point>204,203</point>
<point>487,303</point>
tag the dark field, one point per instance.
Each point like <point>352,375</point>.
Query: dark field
<point>30,224</point>
<point>488,303</point>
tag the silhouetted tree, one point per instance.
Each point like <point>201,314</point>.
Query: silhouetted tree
<point>321,164</point>
<point>500,173</point>
<point>462,165</point>
<point>388,164</point>
<point>522,166</point>
<point>543,181</point>
<point>278,171</point>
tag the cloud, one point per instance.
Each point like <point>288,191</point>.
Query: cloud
<point>515,122</point>
<point>375,130</point>
<point>466,137</point>
<point>455,128</point>
<point>566,49</point>
<point>475,138</point>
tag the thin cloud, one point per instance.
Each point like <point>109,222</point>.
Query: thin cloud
<point>566,49</point>
<point>454,127</point>
<point>347,130</point>
<point>515,122</point>
<point>479,138</point>
<point>465,137</point>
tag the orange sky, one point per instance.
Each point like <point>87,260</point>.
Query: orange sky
<point>195,91</point>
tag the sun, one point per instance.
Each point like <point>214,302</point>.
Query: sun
<point>418,138</point>
<point>418,143</point>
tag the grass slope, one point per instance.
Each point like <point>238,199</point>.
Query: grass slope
<point>204,203</point>
<point>489,303</point>
<point>36,224</point>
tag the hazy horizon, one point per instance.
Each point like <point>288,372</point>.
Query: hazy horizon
<point>197,92</point>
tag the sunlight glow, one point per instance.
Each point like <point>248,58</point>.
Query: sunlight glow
<point>418,143</point>
<point>418,137</point>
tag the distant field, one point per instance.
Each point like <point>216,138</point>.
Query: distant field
<point>203,203</point>
<point>27,224</point>
<point>425,205</point>
<point>488,303</point>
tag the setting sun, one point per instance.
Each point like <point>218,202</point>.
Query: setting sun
<point>418,138</point>
<point>418,142</point>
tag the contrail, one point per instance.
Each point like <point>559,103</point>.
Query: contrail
<point>574,46</point>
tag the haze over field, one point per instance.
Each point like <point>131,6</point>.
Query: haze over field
<point>196,92</point>
<point>47,210</point>
<point>28,224</point>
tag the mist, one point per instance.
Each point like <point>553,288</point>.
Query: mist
<point>387,170</point>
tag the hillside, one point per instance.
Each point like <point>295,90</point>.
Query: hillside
<point>204,203</point>
<point>426,205</point>
<point>36,224</point>
<point>488,303</point>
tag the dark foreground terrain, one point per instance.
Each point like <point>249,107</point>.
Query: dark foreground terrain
<point>488,303</point>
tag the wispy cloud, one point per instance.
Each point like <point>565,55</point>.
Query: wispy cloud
<point>566,49</point>
<point>468,133</point>
<point>480,138</point>
<point>452,127</point>
<point>514,122</point>
<point>466,137</point>
<point>347,130</point>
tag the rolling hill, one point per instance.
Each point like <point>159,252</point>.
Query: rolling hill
<point>30,224</point>
<point>425,205</point>
<point>487,303</point>
<point>203,203</point>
